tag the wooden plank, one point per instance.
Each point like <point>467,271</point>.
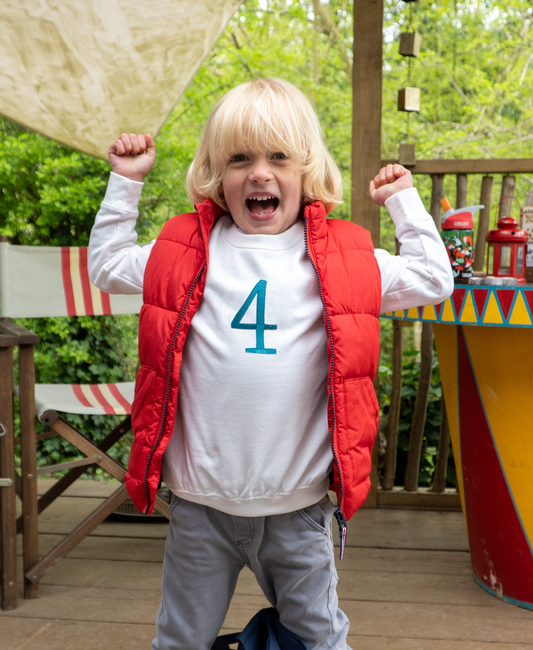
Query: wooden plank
<point>366,112</point>
<point>389,471</point>
<point>58,467</point>
<point>88,448</point>
<point>8,568</point>
<point>441,464</point>
<point>483,224</point>
<point>29,464</point>
<point>470,166</point>
<point>23,335</point>
<point>423,499</point>
<point>376,642</point>
<point>55,487</point>
<point>7,340</point>
<point>420,409</point>
<point>132,575</point>
<point>461,192</point>
<point>506,197</point>
<point>444,622</point>
<point>35,573</point>
<point>83,488</point>
<point>449,622</point>
<point>36,634</point>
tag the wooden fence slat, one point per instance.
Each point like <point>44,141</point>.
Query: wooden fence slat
<point>483,223</point>
<point>389,471</point>
<point>441,465</point>
<point>508,188</point>
<point>461,200</point>
<point>426,362</point>
<point>420,410</point>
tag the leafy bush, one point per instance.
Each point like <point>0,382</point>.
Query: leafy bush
<point>410,374</point>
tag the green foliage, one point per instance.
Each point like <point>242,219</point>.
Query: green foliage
<point>410,373</point>
<point>49,194</point>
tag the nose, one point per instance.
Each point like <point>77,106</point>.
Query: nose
<point>260,171</point>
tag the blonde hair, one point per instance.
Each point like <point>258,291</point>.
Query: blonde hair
<point>264,115</point>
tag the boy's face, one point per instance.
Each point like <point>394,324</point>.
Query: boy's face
<point>263,191</point>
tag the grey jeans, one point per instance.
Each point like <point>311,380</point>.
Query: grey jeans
<point>291,556</point>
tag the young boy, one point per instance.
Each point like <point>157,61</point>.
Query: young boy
<point>264,314</point>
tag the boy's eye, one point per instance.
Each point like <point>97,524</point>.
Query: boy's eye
<point>238,158</point>
<point>279,156</point>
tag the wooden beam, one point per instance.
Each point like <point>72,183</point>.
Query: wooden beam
<point>366,112</point>
<point>423,499</point>
<point>471,166</point>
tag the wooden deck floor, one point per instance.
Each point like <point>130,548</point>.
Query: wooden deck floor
<point>406,584</point>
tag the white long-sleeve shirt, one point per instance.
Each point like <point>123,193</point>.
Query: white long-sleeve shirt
<point>251,431</point>
<point>420,275</point>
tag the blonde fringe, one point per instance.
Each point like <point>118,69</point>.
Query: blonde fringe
<point>264,115</point>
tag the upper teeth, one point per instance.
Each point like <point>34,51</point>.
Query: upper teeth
<point>261,198</point>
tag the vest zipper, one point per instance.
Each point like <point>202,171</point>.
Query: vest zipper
<point>339,515</point>
<point>167,389</point>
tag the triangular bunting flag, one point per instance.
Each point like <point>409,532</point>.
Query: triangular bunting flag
<point>429,313</point>
<point>480,298</point>
<point>458,297</point>
<point>520,314</point>
<point>468,314</point>
<point>447,314</point>
<point>506,297</point>
<point>493,315</point>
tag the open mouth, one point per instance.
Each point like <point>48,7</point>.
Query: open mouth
<point>262,206</point>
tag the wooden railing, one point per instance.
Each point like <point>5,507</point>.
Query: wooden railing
<point>437,496</point>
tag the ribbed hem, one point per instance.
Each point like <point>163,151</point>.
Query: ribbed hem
<point>260,507</point>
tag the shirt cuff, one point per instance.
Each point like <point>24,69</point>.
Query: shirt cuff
<point>406,206</point>
<point>123,193</point>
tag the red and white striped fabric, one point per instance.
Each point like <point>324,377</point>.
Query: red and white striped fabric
<point>92,399</point>
<point>39,281</point>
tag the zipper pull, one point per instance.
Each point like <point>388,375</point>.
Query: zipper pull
<point>342,530</point>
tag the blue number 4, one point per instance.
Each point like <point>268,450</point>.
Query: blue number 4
<point>259,326</point>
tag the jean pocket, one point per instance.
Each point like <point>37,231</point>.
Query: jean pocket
<point>318,516</point>
<point>174,502</point>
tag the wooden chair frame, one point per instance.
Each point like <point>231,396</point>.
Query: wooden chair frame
<point>25,485</point>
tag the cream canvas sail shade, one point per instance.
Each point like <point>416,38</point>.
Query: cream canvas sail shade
<point>84,71</point>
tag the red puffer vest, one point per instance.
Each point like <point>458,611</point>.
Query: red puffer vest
<point>342,256</point>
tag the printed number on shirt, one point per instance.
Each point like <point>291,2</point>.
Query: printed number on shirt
<point>259,326</point>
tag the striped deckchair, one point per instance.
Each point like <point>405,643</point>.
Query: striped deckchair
<point>54,281</point>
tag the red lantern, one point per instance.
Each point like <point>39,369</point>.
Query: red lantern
<point>507,250</point>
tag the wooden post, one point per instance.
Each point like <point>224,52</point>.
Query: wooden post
<point>508,188</point>
<point>28,445</point>
<point>461,200</point>
<point>8,540</point>
<point>483,224</point>
<point>366,112</point>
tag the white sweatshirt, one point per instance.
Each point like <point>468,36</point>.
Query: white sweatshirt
<point>251,433</point>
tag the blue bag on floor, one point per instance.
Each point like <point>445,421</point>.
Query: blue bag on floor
<point>263,632</point>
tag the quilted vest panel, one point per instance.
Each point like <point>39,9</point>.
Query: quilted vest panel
<point>348,275</point>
